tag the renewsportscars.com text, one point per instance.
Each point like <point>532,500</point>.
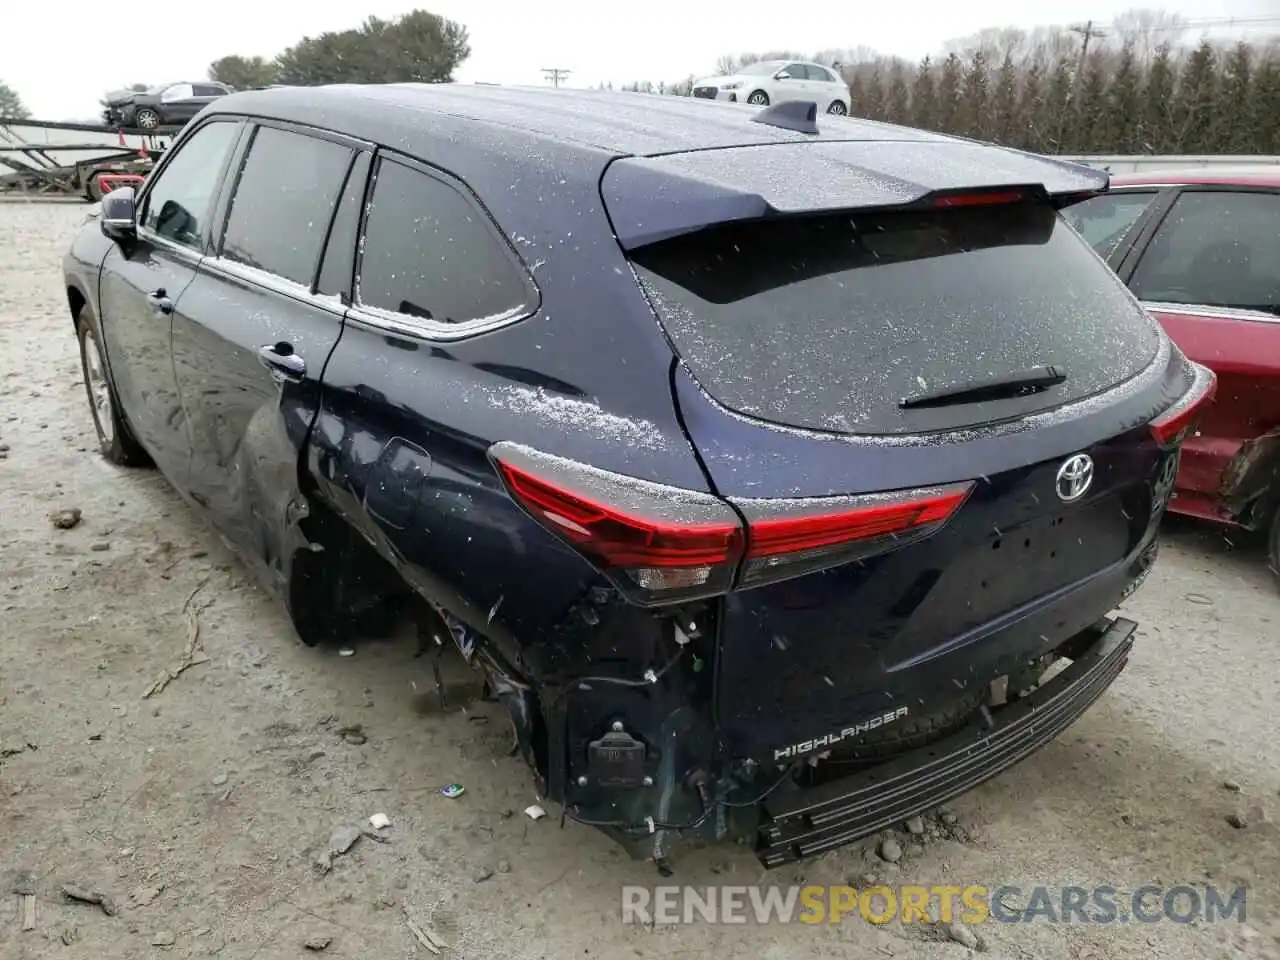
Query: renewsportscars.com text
<point>974,903</point>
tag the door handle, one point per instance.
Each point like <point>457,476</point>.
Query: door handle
<point>160,301</point>
<point>282,362</point>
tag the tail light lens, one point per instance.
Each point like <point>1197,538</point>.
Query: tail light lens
<point>1171,427</point>
<point>657,543</point>
<point>978,198</point>
<point>789,537</point>
<point>662,544</point>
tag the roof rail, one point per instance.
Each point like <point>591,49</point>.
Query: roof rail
<point>798,115</point>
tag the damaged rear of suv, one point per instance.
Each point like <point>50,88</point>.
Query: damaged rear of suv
<point>764,501</point>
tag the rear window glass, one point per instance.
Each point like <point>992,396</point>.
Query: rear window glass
<point>828,323</point>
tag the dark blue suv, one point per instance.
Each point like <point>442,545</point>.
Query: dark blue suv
<point>763,464</point>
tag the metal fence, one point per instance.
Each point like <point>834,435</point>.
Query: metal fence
<point>1118,163</point>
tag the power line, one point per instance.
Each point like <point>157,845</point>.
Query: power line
<point>1087,31</point>
<point>555,75</point>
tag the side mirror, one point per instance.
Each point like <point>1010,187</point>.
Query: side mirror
<point>119,220</point>
<point>782,75</point>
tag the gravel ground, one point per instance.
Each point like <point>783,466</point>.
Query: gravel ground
<point>201,810</point>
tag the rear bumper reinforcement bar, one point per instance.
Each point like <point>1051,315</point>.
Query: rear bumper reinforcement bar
<point>834,814</point>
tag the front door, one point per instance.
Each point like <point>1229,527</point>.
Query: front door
<point>143,285</point>
<point>256,330</point>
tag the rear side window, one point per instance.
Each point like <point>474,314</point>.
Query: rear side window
<point>180,200</point>
<point>430,253</point>
<point>283,202</point>
<point>1215,248</point>
<point>828,323</point>
<point>1104,221</point>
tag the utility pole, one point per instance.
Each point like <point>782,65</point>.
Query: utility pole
<point>555,75</point>
<point>1087,31</point>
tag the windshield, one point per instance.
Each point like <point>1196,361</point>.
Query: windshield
<point>829,322</point>
<point>765,68</point>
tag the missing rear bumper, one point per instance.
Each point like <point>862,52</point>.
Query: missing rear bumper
<point>822,818</point>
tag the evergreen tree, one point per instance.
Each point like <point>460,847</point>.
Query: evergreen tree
<point>950,90</point>
<point>1032,123</point>
<point>924,98</point>
<point>897,105</point>
<point>1004,107</point>
<point>1057,104</point>
<point>873,96</point>
<point>1194,102</point>
<point>1121,119</point>
<point>858,97</point>
<point>1157,96</point>
<point>1265,110</point>
<point>974,112</point>
<point>11,104</point>
<point>1089,113</point>
<point>1234,127</point>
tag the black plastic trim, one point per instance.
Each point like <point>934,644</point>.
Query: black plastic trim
<point>818,819</point>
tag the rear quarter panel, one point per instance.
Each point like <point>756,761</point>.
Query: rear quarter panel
<point>400,445</point>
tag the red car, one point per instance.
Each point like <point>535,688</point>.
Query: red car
<point>1201,250</point>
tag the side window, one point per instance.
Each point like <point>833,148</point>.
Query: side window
<point>339,253</point>
<point>429,252</point>
<point>178,91</point>
<point>1215,248</point>
<point>180,200</point>
<point>209,90</point>
<point>798,71</point>
<point>1103,221</point>
<point>283,201</point>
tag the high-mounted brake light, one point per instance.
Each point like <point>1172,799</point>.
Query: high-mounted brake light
<point>981,198</point>
<point>1172,426</point>
<point>788,537</point>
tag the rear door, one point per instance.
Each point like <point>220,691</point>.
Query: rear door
<point>259,325</point>
<point>142,289</point>
<point>1209,270</point>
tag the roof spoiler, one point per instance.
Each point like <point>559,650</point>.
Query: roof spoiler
<point>655,198</point>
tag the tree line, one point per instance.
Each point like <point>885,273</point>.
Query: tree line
<point>419,47</point>
<point>1136,88</point>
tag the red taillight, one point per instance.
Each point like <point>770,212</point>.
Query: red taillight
<point>660,544</point>
<point>788,537</point>
<point>1172,425</point>
<point>667,543</point>
<point>981,198</point>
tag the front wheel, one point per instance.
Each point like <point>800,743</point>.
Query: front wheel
<point>115,441</point>
<point>147,119</point>
<point>838,108</point>
<point>758,98</point>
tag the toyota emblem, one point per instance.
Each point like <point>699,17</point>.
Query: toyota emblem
<point>1075,476</point>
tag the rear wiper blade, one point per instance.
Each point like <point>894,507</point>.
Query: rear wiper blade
<point>1020,384</point>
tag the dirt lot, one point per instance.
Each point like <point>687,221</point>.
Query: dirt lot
<point>201,810</point>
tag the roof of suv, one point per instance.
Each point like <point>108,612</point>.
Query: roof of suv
<point>629,124</point>
<point>664,165</point>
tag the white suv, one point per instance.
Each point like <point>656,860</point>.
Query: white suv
<point>774,81</point>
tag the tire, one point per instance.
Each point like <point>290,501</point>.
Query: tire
<point>838,108</point>
<point>146,119</point>
<point>116,441</point>
<point>93,191</point>
<point>758,98</point>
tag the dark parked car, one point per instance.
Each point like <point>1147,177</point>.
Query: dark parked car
<point>1201,249</point>
<point>168,105</point>
<point>762,502</point>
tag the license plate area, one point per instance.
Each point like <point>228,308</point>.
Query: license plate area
<point>1014,566</point>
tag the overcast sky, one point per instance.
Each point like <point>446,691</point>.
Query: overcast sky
<point>61,71</point>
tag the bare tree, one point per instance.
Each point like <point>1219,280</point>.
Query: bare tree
<point>1146,29</point>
